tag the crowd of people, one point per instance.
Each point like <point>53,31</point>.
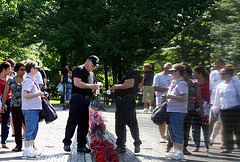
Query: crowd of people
<point>195,98</point>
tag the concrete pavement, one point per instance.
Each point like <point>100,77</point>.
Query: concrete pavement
<point>49,142</point>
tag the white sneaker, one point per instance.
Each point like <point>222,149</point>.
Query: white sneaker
<point>178,157</point>
<point>150,108</point>
<point>36,152</point>
<point>145,110</point>
<point>29,154</point>
<point>170,155</point>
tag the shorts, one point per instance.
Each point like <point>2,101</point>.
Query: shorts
<point>176,121</point>
<point>31,124</point>
<point>148,94</point>
<point>211,114</point>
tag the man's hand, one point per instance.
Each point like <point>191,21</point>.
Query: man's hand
<point>4,109</point>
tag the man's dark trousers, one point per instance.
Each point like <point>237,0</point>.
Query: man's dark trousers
<point>78,116</point>
<point>126,115</point>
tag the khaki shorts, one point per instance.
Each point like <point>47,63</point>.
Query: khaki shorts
<point>148,94</point>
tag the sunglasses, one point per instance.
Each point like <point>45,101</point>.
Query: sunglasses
<point>94,66</point>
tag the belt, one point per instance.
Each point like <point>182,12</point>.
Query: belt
<point>85,97</point>
<point>122,97</point>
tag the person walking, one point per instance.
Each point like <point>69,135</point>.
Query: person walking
<point>161,83</point>
<point>31,104</point>
<point>5,70</point>
<point>82,90</point>
<point>15,86</point>
<point>146,85</point>
<point>227,102</point>
<point>214,80</point>
<point>177,98</point>
<point>125,113</point>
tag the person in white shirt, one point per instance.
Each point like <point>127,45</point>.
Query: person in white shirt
<point>215,79</point>
<point>161,83</point>
<point>227,102</point>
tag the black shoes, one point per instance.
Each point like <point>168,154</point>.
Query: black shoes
<point>120,149</point>
<point>67,148</point>
<point>83,149</point>
<point>137,149</point>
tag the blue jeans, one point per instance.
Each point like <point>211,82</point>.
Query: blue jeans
<point>67,92</point>
<point>176,121</point>
<point>31,124</point>
<point>6,123</point>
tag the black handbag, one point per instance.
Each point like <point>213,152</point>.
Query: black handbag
<point>160,114</point>
<point>48,111</point>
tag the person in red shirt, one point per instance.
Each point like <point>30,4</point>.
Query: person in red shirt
<point>201,76</point>
<point>5,70</point>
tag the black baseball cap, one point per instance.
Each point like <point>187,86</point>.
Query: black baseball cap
<point>94,59</point>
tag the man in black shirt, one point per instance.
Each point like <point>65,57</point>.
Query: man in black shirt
<point>82,90</point>
<point>126,110</point>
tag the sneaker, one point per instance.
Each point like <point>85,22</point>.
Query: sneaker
<point>36,152</point>
<point>150,108</point>
<point>178,157</point>
<point>162,140</point>
<point>145,110</point>
<point>170,155</point>
<point>29,154</point>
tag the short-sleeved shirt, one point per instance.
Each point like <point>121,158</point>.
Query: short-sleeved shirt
<point>16,89</point>
<point>148,81</point>
<point>130,91</point>
<point>35,103</point>
<point>177,88</point>
<point>191,93</point>
<point>162,81</point>
<point>215,79</point>
<point>2,82</point>
<point>86,77</point>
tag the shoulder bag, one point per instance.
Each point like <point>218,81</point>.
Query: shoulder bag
<point>160,114</point>
<point>48,111</point>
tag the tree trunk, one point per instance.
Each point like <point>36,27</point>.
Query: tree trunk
<point>106,75</point>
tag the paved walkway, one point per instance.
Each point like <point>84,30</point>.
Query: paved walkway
<point>49,142</point>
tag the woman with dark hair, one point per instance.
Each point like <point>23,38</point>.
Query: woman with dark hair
<point>227,101</point>
<point>15,86</point>
<point>5,70</point>
<point>201,76</point>
<point>193,90</point>
<point>177,98</point>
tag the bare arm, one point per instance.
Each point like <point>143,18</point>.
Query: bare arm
<point>157,89</point>
<point>5,95</point>
<point>61,80</point>
<point>181,98</point>
<point>129,83</point>
<point>28,95</point>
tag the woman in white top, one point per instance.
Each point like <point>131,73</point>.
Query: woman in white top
<point>227,101</point>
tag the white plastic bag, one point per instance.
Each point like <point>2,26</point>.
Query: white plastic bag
<point>60,89</point>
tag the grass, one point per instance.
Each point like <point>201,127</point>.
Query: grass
<point>55,100</point>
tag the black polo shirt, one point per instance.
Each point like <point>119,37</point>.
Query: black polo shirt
<point>86,77</point>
